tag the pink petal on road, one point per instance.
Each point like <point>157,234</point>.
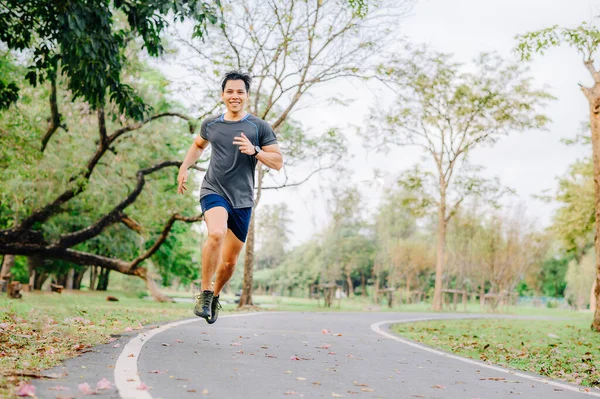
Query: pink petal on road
<point>236,344</point>
<point>142,387</point>
<point>103,384</point>
<point>26,390</point>
<point>128,329</point>
<point>294,358</point>
<point>85,389</point>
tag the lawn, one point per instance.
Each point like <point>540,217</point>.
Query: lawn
<point>561,349</point>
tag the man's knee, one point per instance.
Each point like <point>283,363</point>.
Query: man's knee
<point>230,262</point>
<point>217,236</point>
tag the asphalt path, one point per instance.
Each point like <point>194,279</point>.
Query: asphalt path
<point>290,354</point>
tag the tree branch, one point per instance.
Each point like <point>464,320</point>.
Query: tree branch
<point>163,237</point>
<point>71,239</point>
<point>285,185</point>
<point>54,115</point>
<point>86,259</point>
<point>78,181</point>
<point>589,64</point>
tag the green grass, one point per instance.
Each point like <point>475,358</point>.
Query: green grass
<point>561,349</point>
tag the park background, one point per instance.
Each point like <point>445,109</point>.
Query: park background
<point>352,223</point>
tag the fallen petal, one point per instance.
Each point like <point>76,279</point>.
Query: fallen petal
<point>104,384</point>
<point>142,387</point>
<point>85,388</point>
<point>26,390</point>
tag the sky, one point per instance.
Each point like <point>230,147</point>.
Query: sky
<point>529,162</point>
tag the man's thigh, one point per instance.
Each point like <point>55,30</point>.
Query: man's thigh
<point>216,219</point>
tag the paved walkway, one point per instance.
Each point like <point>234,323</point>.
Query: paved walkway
<point>280,355</point>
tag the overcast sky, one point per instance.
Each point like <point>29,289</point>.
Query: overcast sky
<point>528,162</point>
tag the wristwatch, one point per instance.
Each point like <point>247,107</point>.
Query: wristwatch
<point>257,149</point>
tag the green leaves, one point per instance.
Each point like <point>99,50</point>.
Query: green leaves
<point>585,38</point>
<point>82,41</point>
<point>9,93</point>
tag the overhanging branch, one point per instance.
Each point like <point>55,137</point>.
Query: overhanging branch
<point>86,259</point>
<point>78,181</point>
<point>71,239</point>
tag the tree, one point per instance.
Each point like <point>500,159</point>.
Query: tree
<point>586,40</point>
<point>290,48</point>
<point>53,204</point>
<point>86,41</point>
<point>449,113</point>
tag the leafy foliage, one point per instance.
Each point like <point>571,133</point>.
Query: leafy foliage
<point>86,43</point>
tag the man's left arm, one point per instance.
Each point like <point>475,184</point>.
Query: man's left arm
<point>271,157</point>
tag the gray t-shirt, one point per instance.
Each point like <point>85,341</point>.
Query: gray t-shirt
<point>230,172</point>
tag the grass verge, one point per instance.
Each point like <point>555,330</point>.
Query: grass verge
<point>563,349</point>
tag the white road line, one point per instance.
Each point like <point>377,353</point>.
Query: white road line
<point>376,327</point>
<point>127,379</point>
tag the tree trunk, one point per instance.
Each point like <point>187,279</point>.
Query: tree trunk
<point>482,294</point>
<point>595,126</point>
<point>77,278</point>
<point>39,280</point>
<point>7,263</point>
<point>376,290</point>
<point>70,277</point>
<point>593,296</point>
<point>103,279</point>
<point>151,285</point>
<point>36,275</point>
<point>93,277</point>
<point>363,283</point>
<point>439,267</point>
<point>246,298</point>
<point>350,285</point>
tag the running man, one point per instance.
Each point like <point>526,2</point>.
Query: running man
<point>239,140</point>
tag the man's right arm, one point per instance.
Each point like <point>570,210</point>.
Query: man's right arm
<point>193,154</point>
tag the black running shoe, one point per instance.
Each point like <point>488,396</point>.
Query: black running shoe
<point>216,306</point>
<point>203,304</point>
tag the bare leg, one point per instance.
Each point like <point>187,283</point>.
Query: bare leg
<point>216,221</point>
<point>229,254</point>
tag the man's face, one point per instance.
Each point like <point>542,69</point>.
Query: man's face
<point>235,95</point>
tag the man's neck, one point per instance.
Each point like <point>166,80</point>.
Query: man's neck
<point>237,116</point>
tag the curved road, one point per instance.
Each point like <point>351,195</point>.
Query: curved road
<point>279,355</point>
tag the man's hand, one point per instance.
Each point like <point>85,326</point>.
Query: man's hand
<point>246,146</point>
<point>181,180</point>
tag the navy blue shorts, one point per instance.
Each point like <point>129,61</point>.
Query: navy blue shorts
<point>238,220</point>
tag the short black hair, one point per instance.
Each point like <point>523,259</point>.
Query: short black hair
<point>237,75</point>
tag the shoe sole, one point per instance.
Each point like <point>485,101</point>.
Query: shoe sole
<point>206,317</point>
